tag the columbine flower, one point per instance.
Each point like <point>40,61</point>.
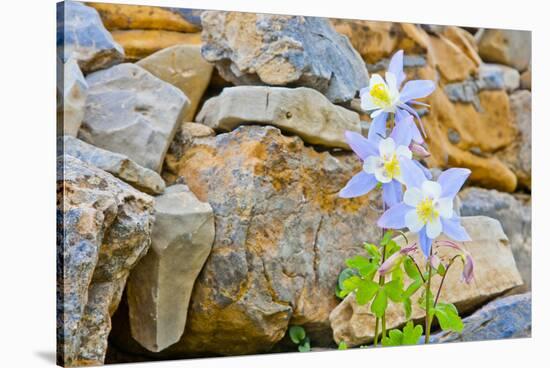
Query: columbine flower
<point>467,259</point>
<point>385,160</point>
<point>395,259</point>
<point>427,208</point>
<point>383,97</point>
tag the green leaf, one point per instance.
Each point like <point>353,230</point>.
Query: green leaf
<point>342,345</point>
<point>386,238</point>
<point>366,291</point>
<point>297,334</point>
<point>441,270</point>
<point>305,346</point>
<point>422,300</point>
<point>412,288</point>
<point>372,250</point>
<point>397,274</point>
<point>448,318</point>
<point>407,305</point>
<point>357,262</point>
<point>394,338</point>
<point>394,290</point>
<point>412,333</point>
<point>380,302</point>
<point>345,274</point>
<point>391,248</point>
<point>351,284</point>
<point>411,269</point>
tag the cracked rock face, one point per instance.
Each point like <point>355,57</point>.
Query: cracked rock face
<point>302,111</point>
<point>282,50</point>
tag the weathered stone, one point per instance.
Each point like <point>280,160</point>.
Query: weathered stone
<point>283,50</point>
<point>72,92</point>
<point>160,285</point>
<point>124,16</point>
<point>117,164</point>
<point>132,112</point>
<point>500,75</point>
<point>81,35</point>
<point>495,272</point>
<point>505,318</point>
<point>302,111</point>
<point>104,227</point>
<point>139,43</point>
<point>513,212</point>
<point>183,67</point>
<point>525,79</point>
<point>506,46</point>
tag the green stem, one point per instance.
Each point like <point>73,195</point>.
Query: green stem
<point>428,291</point>
<point>376,331</point>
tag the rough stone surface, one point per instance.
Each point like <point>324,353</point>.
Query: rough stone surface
<point>160,285</point>
<point>302,111</point>
<point>140,43</point>
<point>72,92</point>
<point>132,112</point>
<point>104,227</point>
<point>513,212</point>
<point>283,50</point>
<point>525,82</point>
<point>183,67</point>
<point>506,46</point>
<point>81,35</point>
<point>116,164</point>
<point>502,75</point>
<point>495,273</point>
<point>505,318</point>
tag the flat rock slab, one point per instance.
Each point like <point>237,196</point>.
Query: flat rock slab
<point>495,273</point>
<point>132,112</point>
<point>160,285</point>
<point>104,227</point>
<point>81,35</point>
<point>282,50</point>
<point>504,318</point>
<point>119,165</point>
<point>302,111</point>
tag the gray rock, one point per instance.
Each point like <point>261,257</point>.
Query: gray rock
<point>104,227</point>
<point>504,318</point>
<point>160,285</point>
<point>122,167</point>
<point>81,35</point>
<point>72,90</point>
<point>513,212</point>
<point>520,104</point>
<point>283,50</point>
<point>496,76</point>
<point>525,79</point>
<point>506,46</point>
<point>132,112</point>
<point>302,111</point>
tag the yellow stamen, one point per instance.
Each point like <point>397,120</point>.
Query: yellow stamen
<point>392,167</point>
<point>426,210</point>
<point>380,95</point>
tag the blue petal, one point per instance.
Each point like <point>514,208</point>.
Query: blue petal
<point>416,89</point>
<point>454,230</point>
<point>424,169</point>
<point>392,192</point>
<point>377,128</point>
<point>360,145</point>
<point>360,184</point>
<point>396,67</point>
<point>413,176</point>
<point>425,242</point>
<point>451,181</point>
<point>402,133</point>
<point>417,137</point>
<point>394,218</point>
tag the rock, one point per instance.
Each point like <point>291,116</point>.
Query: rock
<point>504,318</point>
<point>501,75</point>
<point>513,212</point>
<point>283,50</point>
<point>160,285</point>
<point>525,79</point>
<point>104,227</point>
<point>506,46</point>
<point>495,273</point>
<point>81,35</point>
<point>302,111</point>
<point>121,166</point>
<point>72,92</point>
<point>132,112</point>
<point>183,67</point>
<point>139,43</point>
<point>123,16</point>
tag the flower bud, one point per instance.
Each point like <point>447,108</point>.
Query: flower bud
<point>419,150</point>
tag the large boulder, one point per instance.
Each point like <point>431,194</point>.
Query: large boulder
<point>72,90</point>
<point>302,111</point>
<point>132,112</point>
<point>495,273</point>
<point>160,285</point>
<point>81,35</point>
<point>282,50</point>
<point>513,212</point>
<point>119,165</point>
<point>183,67</point>
<point>506,46</point>
<point>504,318</point>
<point>104,228</point>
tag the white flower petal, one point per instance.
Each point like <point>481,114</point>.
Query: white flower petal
<point>371,164</point>
<point>413,222</point>
<point>391,79</point>
<point>403,151</point>
<point>444,206</point>
<point>367,103</point>
<point>431,189</point>
<point>434,228</point>
<point>412,197</point>
<point>381,175</point>
<point>377,79</point>
<point>386,147</point>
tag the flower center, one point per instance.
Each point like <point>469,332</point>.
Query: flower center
<point>392,167</point>
<point>426,210</point>
<point>380,95</point>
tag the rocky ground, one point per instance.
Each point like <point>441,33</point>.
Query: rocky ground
<point>200,157</point>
